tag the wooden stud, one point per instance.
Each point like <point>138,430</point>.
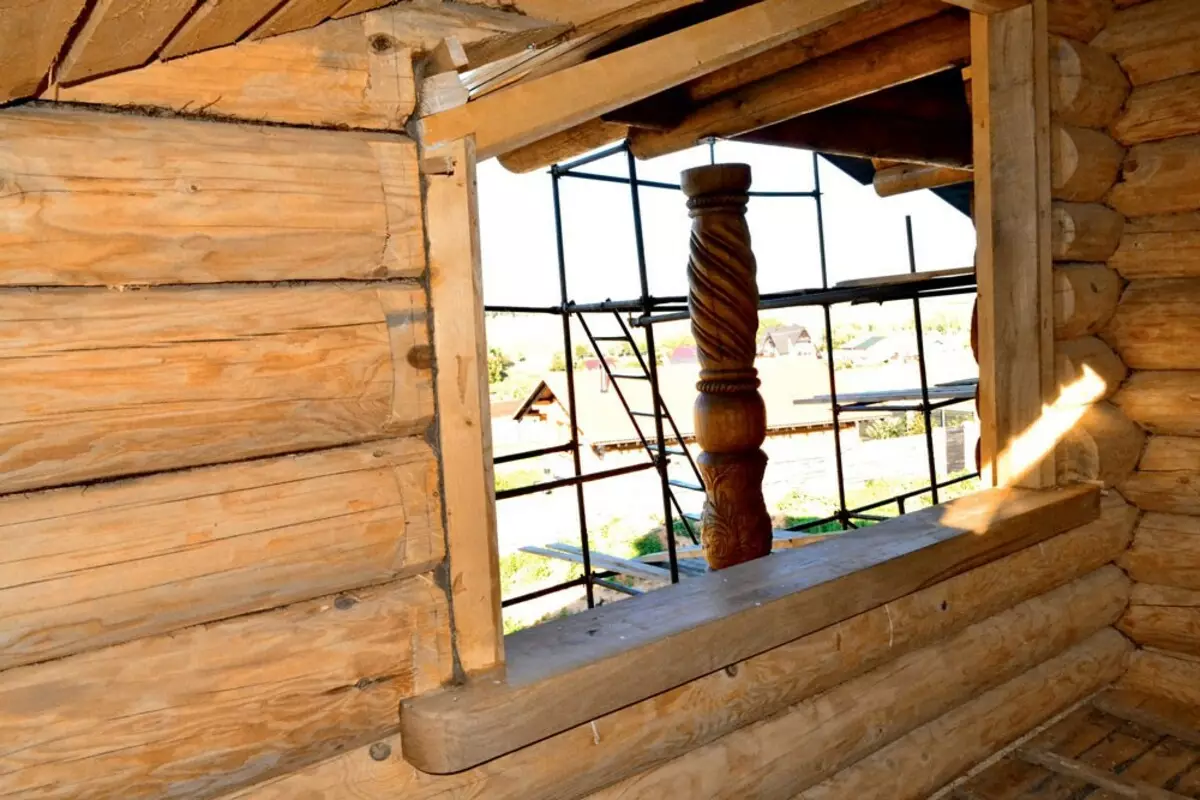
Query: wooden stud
<point>1013,219</point>
<point>1084,231</point>
<point>1154,41</point>
<point>1085,298</point>
<point>120,34</point>
<point>31,35</point>
<point>464,430</point>
<point>1085,164</point>
<point>1166,551</point>
<point>731,420</point>
<point>1160,247</point>
<point>1087,87</point>
<point>1157,325</point>
<point>1159,178</point>
<point>533,110</point>
<point>916,177</point>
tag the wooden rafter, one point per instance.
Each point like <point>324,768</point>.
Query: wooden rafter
<point>529,111</point>
<point>987,6</point>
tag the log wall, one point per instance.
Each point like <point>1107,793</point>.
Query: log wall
<point>222,541</point>
<point>1155,327</point>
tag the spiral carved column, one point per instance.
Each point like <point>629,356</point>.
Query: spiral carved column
<point>731,420</point>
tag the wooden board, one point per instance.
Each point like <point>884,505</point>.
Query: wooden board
<point>90,567</point>
<point>464,429</point>
<point>121,34</point>
<point>327,77</point>
<point>593,663</point>
<point>1011,103</point>
<point>1154,41</point>
<point>31,34</point>
<point>1160,247</point>
<point>813,740</point>
<point>214,23</point>
<point>126,383</point>
<point>181,201</point>
<point>1164,617</point>
<point>1157,325</point>
<point>625,742</point>
<point>1162,402</point>
<point>214,707</point>
<point>1159,178</point>
<point>1166,551</point>
<point>527,112</point>
<point>296,15</point>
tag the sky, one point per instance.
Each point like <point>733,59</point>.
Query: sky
<point>865,234</point>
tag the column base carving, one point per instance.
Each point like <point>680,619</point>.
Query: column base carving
<point>736,524</point>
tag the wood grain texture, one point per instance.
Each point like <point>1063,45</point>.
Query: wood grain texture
<point>1154,41</point>
<point>562,675</point>
<point>211,708</point>
<point>32,32</point>
<point>1102,446</point>
<point>1175,491</point>
<point>1084,231</point>
<point>1161,110</point>
<point>1166,551</point>
<point>529,111</point>
<point>121,34</point>
<point>1087,356</point>
<point>918,764</point>
<point>660,728</point>
<point>1080,20</point>
<point>1169,453</point>
<point>1157,325</point>
<point>215,23</point>
<point>1085,298</point>
<point>182,201</point>
<point>326,77</point>
<point>1160,675</point>
<point>1085,163</point>
<point>136,382</point>
<point>1160,247</point>
<point>1164,617</point>
<point>1159,178</point>
<point>814,739</point>
<point>86,568</point>
<point>563,146</point>
<point>295,15</point>
<point>464,430</point>
<point>1162,402</point>
<point>1087,86</point>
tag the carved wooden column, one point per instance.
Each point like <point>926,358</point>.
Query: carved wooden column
<point>731,420</point>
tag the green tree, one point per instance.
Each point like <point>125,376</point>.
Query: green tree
<point>498,364</point>
<point>558,363</point>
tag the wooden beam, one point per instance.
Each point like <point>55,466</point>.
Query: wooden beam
<point>564,146</point>
<point>564,674</point>
<point>526,112</point>
<point>464,430</point>
<point>915,177</point>
<point>1102,779</point>
<point>898,57</point>
<point>1010,65</point>
<point>1166,550</point>
<point>31,35</point>
<point>987,6</point>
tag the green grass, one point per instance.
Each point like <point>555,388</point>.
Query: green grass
<point>517,478</point>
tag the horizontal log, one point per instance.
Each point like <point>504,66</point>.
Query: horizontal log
<point>1166,551</point>
<point>185,201</point>
<point>1162,402</point>
<point>1084,231</point>
<point>209,544</point>
<point>1159,178</point>
<point>625,742</point>
<point>915,177</point>
<point>1087,86</point>
<point>1168,476</point>
<point>564,146</point>
<point>212,708</point>
<point>329,76</point>
<point>1157,325</point>
<point>1085,298</point>
<point>1164,617</point>
<point>917,765</point>
<point>1080,20</point>
<point>1154,41</point>
<point>824,82</point>
<point>1174,679</point>
<point>1160,247</point>
<point>1103,446</point>
<point>1170,453</point>
<point>814,739</point>
<point>563,675</point>
<point>125,383</point>
<point>1086,359</point>
<point>1162,110</point>
<point>1084,163</point>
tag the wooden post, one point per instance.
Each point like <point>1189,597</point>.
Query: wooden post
<point>731,420</point>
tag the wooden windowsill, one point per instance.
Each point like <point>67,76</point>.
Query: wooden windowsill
<point>563,674</point>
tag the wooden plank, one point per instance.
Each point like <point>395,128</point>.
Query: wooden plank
<point>602,562</point>
<point>665,726</point>
<point>824,82</point>
<point>1160,247</point>
<point>327,77</point>
<point>1166,551</point>
<point>915,177</point>
<point>585,666</point>
<point>1161,765</point>
<point>136,382</point>
<point>181,201</point>
<point>121,34</point>
<point>852,721</point>
<point>564,99</point>
<point>987,6</point>
<point>1171,719</point>
<point>295,15</point>
<point>214,707</point>
<point>1157,325</point>
<point>410,25</point>
<point>1162,402</point>
<point>32,32</point>
<point>1121,786</point>
<point>1159,178</point>
<point>215,23</point>
<point>1154,41</point>
<point>1014,257</point>
<point>460,342</point>
<point>82,568</point>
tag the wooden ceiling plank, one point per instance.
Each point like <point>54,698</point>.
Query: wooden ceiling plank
<point>903,55</point>
<point>121,34</point>
<point>526,112</point>
<point>216,23</point>
<point>297,15</point>
<point>32,33</point>
<point>987,6</point>
<point>361,6</point>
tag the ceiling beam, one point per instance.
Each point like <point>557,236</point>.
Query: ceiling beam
<point>987,6</point>
<point>898,57</point>
<point>525,112</point>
